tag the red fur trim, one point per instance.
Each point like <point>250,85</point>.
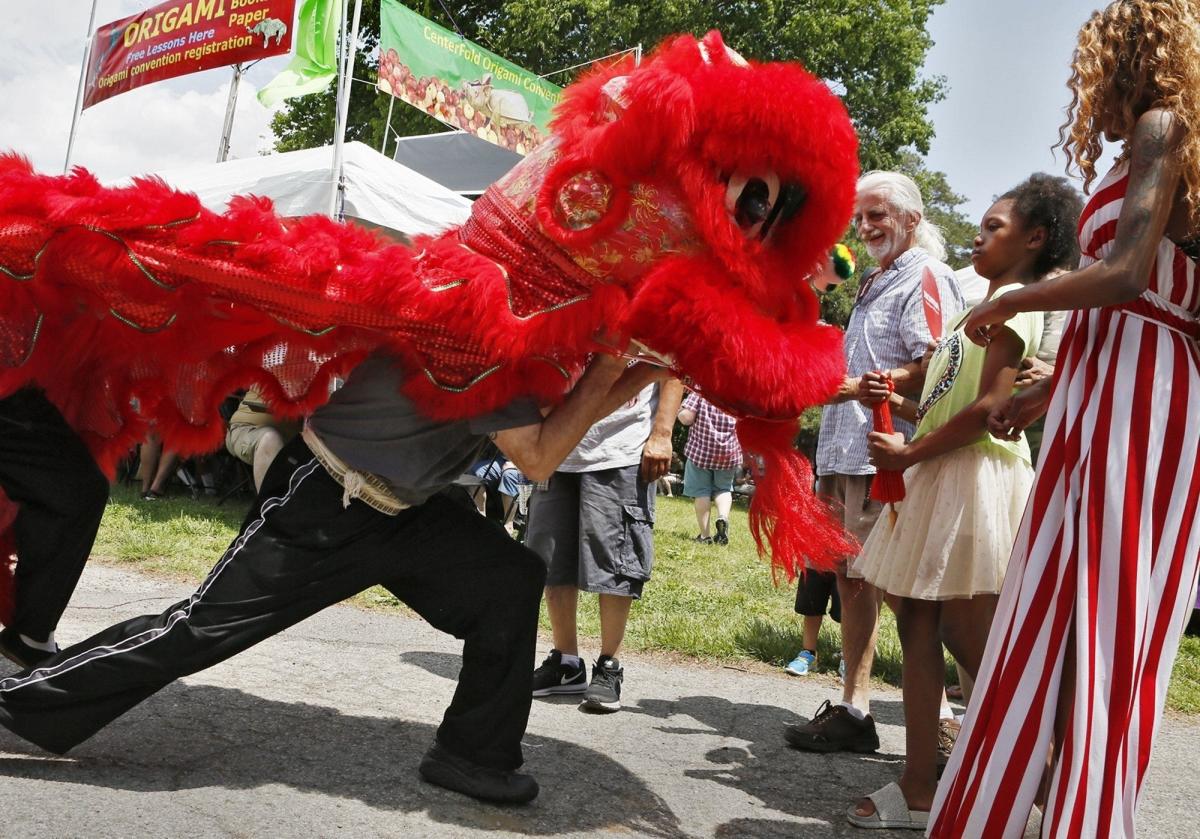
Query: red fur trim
<point>743,361</point>
<point>786,518</point>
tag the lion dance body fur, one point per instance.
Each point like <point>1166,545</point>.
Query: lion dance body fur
<point>679,205</point>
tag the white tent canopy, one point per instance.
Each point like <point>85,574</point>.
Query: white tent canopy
<point>379,191</point>
<point>974,287</point>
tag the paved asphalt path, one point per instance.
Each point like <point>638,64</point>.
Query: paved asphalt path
<point>318,732</point>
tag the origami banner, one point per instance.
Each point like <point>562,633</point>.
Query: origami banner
<point>461,83</point>
<point>181,37</point>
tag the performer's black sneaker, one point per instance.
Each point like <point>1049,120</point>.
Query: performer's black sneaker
<point>553,677</point>
<point>604,693</point>
<point>445,769</point>
<point>17,651</point>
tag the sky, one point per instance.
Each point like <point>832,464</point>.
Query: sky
<point>1005,62</point>
<point>1006,65</point>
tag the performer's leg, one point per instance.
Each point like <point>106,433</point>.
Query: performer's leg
<point>298,552</point>
<point>49,473</point>
<point>466,576</point>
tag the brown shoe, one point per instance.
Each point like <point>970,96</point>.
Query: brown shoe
<point>834,729</point>
<point>947,736</point>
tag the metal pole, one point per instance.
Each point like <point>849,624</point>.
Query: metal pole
<point>83,72</point>
<point>230,107</point>
<point>349,49</point>
<point>388,126</point>
<point>637,56</point>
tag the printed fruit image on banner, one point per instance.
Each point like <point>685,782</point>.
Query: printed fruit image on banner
<point>181,37</point>
<point>460,83</point>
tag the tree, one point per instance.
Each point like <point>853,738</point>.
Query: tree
<point>870,51</point>
<point>942,208</point>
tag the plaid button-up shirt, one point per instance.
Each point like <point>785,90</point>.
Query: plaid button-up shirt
<point>886,330</point>
<point>712,440</point>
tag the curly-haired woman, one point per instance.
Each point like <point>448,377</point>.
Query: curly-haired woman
<point>1105,565</point>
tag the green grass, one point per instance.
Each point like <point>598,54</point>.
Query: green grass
<point>713,603</point>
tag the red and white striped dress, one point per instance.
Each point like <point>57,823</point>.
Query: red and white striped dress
<point>1106,560</point>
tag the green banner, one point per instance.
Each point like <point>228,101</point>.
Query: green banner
<point>461,83</point>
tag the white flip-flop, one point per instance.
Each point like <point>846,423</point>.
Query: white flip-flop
<point>891,812</point>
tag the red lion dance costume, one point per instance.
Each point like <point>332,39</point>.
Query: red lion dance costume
<point>679,205</point>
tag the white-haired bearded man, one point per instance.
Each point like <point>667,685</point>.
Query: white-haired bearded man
<point>888,332</point>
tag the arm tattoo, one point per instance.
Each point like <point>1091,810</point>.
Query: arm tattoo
<point>1153,175</point>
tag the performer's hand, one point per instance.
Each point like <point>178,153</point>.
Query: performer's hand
<point>1032,371</point>
<point>1020,411</point>
<point>656,457</point>
<point>873,388</point>
<point>987,318</point>
<point>888,451</point>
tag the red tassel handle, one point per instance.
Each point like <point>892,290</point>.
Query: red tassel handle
<point>888,486</point>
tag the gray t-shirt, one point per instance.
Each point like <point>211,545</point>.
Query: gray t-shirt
<point>375,428</point>
<point>618,439</point>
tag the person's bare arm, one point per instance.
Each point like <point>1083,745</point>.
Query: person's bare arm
<point>888,451</point>
<point>1154,173</point>
<point>686,416</point>
<point>1021,411</point>
<point>908,379</point>
<point>538,449</point>
<point>656,454</point>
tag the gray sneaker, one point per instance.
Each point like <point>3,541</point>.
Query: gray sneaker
<point>604,693</point>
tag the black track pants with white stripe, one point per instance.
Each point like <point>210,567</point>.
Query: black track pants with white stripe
<point>60,492</point>
<point>299,551</point>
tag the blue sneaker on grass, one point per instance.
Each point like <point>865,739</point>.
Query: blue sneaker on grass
<point>802,663</point>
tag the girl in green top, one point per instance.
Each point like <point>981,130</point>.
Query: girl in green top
<point>942,562</point>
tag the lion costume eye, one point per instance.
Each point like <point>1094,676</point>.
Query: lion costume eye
<point>756,202</point>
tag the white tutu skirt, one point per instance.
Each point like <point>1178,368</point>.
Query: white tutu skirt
<point>954,529</point>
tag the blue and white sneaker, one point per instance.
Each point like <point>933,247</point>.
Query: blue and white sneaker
<point>802,663</point>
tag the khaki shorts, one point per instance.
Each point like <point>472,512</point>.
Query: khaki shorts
<point>242,439</point>
<point>849,496</point>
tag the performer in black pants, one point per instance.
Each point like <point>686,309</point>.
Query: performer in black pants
<point>356,501</point>
<point>60,493</point>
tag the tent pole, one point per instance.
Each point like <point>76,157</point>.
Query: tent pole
<point>387,127</point>
<point>83,73</point>
<point>230,107</point>
<point>350,47</point>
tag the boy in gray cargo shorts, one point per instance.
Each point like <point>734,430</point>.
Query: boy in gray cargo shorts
<point>592,523</point>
